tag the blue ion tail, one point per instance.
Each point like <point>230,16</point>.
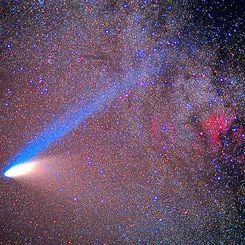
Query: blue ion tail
<point>61,127</point>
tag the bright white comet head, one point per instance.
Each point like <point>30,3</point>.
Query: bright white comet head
<point>20,169</point>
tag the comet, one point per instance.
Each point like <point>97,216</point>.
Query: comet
<point>61,127</point>
<point>55,131</point>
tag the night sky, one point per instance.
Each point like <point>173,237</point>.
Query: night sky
<point>132,111</point>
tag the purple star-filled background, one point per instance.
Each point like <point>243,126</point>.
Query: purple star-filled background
<point>132,112</point>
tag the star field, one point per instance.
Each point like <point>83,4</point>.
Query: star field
<point>133,111</point>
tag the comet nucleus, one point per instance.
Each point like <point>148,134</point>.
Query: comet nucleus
<point>20,170</point>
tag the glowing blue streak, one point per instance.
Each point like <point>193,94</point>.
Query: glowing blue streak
<point>60,128</point>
